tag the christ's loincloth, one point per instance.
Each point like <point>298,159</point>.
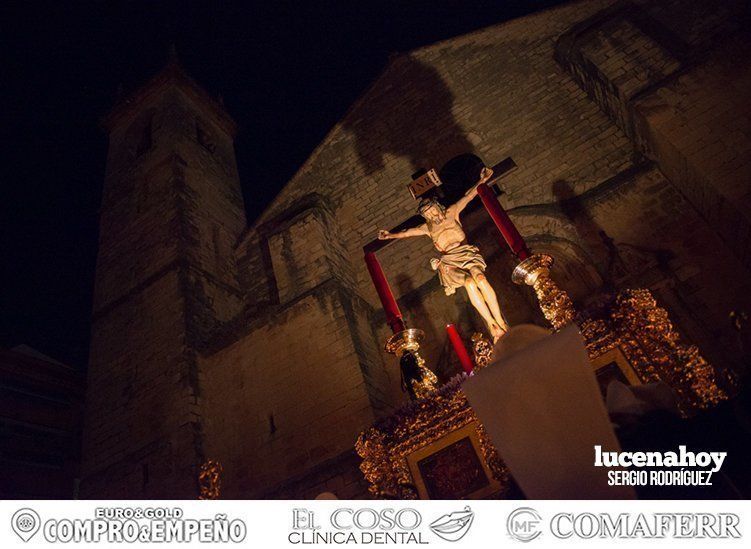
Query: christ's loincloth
<point>455,266</point>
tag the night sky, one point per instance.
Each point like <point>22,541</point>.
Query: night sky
<point>287,71</point>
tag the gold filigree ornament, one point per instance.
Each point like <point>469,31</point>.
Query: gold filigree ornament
<point>409,341</point>
<point>482,350</point>
<point>384,447</point>
<point>634,322</point>
<point>554,302</point>
<point>210,479</point>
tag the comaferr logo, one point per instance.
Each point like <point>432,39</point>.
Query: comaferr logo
<point>644,525</point>
<point>524,524</point>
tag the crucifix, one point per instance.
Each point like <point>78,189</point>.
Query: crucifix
<point>405,342</point>
<point>460,263</point>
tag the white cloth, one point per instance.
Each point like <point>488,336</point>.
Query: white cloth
<point>637,400</point>
<point>543,411</point>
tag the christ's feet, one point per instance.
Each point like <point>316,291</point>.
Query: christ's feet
<point>497,332</point>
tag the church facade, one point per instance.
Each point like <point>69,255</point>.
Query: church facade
<point>261,345</point>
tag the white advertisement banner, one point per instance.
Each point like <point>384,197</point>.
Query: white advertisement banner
<point>271,524</point>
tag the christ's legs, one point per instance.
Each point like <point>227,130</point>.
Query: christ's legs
<point>475,296</point>
<point>490,298</point>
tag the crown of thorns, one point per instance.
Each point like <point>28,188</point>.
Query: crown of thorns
<point>426,203</point>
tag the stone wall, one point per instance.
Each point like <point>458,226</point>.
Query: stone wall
<point>697,127</point>
<point>674,77</point>
<point>166,278</point>
<point>288,396</point>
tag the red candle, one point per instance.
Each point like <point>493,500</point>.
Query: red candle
<point>459,348</point>
<point>393,314</point>
<point>503,222</point>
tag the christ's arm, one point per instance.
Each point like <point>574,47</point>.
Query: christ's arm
<point>462,203</point>
<point>422,230</point>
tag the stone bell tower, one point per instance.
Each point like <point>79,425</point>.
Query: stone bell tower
<point>171,214</point>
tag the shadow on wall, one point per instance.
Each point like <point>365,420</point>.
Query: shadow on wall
<point>591,234</point>
<point>429,309</point>
<point>419,316</point>
<point>615,271</point>
<point>408,114</point>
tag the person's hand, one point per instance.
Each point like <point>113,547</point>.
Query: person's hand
<point>384,235</point>
<point>486,174</point>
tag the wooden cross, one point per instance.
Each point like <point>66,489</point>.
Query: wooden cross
<point>503,168</point>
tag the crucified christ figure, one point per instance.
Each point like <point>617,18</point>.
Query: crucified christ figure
<point>460,263</point>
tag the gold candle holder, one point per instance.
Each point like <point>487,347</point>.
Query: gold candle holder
<point>409,341</point>
<point>555,303</point>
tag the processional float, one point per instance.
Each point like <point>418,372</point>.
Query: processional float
<point>434,447</point>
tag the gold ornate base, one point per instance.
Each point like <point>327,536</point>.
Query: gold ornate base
<point>482,350</point>
<point>642,330</point>
<point>210,479</point>
<point>555,303</point>
<point>406,340</point>
<point>409,341</point>
<point>390,445</point>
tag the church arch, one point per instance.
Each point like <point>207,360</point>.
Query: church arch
<point>574,267</point>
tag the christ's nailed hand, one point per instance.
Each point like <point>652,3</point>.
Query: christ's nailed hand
<point>384,235</point>
<point>485,174</point>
